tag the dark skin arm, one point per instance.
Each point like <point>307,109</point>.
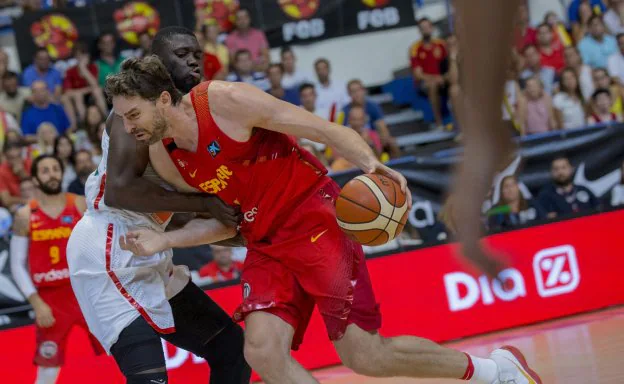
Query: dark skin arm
<point>127,189</point>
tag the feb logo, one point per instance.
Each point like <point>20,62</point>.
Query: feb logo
<point>221,11</point>
<point>134,19</point>
<point>299,9</point>
<point>56,33</point>
<point>376,3</point>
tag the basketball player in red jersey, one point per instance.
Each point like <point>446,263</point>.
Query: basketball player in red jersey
<point>39,265</point>
<point>235,141</point>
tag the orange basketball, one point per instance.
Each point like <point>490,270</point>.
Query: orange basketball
<point>371,209</point>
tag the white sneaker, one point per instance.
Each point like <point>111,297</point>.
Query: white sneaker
<point>513,367</point>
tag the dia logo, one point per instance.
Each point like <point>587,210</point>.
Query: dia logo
<point>556,271</point>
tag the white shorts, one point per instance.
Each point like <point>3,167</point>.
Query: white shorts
<point>113,286</point>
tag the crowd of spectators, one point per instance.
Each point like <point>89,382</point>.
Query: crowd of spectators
<point>563,75</point>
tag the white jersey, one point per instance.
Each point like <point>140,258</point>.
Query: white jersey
<point>94,192</point>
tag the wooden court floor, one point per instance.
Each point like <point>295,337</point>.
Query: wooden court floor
<point>584,349</point>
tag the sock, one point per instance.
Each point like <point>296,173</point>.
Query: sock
<point>480,371</point>
<point>47,375</point>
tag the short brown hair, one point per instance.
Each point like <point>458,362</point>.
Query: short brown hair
<point>146,78</point>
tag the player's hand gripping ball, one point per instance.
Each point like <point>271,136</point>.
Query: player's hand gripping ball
<point>372,209</point>
<point>135,18</point>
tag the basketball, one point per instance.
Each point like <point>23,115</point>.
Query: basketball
<point>372,209</point>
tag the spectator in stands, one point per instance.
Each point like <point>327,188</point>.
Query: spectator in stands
<point>563,196</point>
<point>579,13</point>
<point>613,17</point>
<point>145,44</point>
<point>43,110</point>
<point>64,150</point>
<point>13,97</point>
<point>108,62</point>
<point>4,65</point>
<point>84,167</point>
<point>331,94</point>
<point>7,123</point>
<point>222,268</point>
<point>243,37</point>
<point>426,57</point>
<point>583,72</point>
<point>216,55</point>
<point>90,133</point>
<point>359,122</point>
<point>551,50</point>
<point>525,34</point>
<point>27,189</point>
<point>293,77</point>
<point>307,95</point>
<point>560,32</point>
<point>12,170</point>
<point>597,46</point>
<point>46,136</point>
<point>513,99</point>
<point>568,103</point>
<point>374,116</point>
<point>603,80</point>
<point>42,70</point>
<point>540,114</point>
<point>615,63</point>
<point>601,103</point>
<point>513,209</point>
<point>534,67</point>
<point>81,81</point>
<point>616,196</point>
<point>276,72</point>
<point>244,71</point>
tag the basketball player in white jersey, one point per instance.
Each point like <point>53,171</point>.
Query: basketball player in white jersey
<point>128,301</point>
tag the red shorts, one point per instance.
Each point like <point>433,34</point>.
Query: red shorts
<point>309,261</point>
<point>51,341</point>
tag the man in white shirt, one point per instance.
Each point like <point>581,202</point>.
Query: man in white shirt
<point>615,63</point>
<point>331,95</point>
<point>293,78</point>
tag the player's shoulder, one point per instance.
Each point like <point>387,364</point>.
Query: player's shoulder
<point>22,219</point>
<point>415,47</point>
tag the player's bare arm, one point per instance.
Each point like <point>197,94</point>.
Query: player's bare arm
<point>19,259</point>
<point>238,108</point>
<point>127,189</point>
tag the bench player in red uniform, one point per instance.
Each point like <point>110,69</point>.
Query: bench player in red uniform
<point>39,266</point>
<point>235,141</point>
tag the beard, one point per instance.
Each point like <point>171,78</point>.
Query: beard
<point>50,188</point>
<point>426,37</point>
<point>159,127</point>
<point>563,182</point>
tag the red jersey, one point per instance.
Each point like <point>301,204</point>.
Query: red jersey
<point>555,59</point>
<point>213,271</point>
<point>268,176</point>
<point>75,80</point>
<point>428,56</point>
<point>48,243</point>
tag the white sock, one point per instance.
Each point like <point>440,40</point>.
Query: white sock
<point>47,375</point>
<point>485,370</point>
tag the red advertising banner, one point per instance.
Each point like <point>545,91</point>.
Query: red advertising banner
<point>554,270</point>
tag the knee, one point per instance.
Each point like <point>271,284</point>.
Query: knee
<point>262,351</point>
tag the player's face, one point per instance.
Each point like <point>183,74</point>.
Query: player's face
<point>561,171</point>
<point>183,61</point>
<point>49,176</point>
<point>510,191</point>
<point>141,118</point>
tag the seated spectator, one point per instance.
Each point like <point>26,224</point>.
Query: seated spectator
<point>563,196</point>
<point>7,124</point>
<point>43,110</point>
<point>331,94</point>
<point>12,170</point>
<point>374,116</point>
<point>275,73</point>
<point>84,167</point>
<point>244,73</point>
<point>86,134</point>
<point>293,77</point>
<point>514,105</point>
<point>64,150</point>
<point>602,79</point>
<point>525,34</point>
<point>560,32</point>
<point>551,50</point>
<point>568,103</point>
<point>307,95</point>
<point>144,49</point>
<point>46,136</point>
<point>81,81</point>
<point>4,65</point>
<point>13,97</point>
<point>108,62</point>
<point>613,17</point>
<point>534,67</point>
<point>579,13</point>
<point>243,37</point>
<point>216,55</point>
<point>540,114</point>
<point>513,209</point>
<point>426,57</point>
<point>616,196</point>
<point>27,188</point>
<point>597,46</point>
<point>583,72</point>
<point>42,70</point>
<point>615,63</point>
<point>222,268</point>
<point>601,103</point>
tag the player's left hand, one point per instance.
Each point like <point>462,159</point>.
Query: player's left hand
<point>381,169</point>
<point>144,242</point>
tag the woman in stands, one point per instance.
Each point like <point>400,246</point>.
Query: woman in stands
<point>513,209</point>
<point>569,104</point>
<point>64,150</point>
<point>539,116</point>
